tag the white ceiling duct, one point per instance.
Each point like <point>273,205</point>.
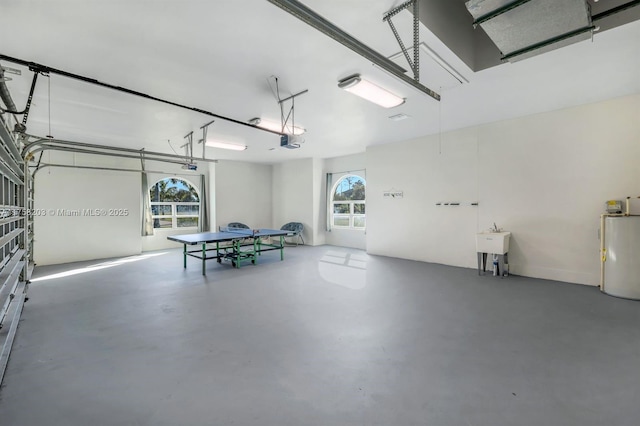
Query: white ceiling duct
<point>524,28</point>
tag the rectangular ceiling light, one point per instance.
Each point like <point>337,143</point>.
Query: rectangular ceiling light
<point>226,145</point>
<point>276,127</point>
<point>369,91</point>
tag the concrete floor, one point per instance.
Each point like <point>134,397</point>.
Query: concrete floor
<point>330,336</point>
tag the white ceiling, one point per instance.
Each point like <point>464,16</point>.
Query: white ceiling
<point>219,55</point>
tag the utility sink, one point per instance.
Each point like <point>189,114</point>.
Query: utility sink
<point>492,242</point>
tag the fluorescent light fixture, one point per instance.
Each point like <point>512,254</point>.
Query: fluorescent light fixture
<point>276,126</point>
<point>226,145</point>
<point>369,91</point>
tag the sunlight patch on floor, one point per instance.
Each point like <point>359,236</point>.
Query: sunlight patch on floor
<point>97,266</point>
<point>344,269</point>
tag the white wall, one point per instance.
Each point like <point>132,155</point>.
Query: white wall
<point>294,196</point>
<point>243,194</point>
<point>319,209</point>
<point>341,166</point>
<point>545,178</point>
<point>74,235</point>
<point>299,195</point>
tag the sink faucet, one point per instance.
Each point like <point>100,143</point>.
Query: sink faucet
<point>495,227</point>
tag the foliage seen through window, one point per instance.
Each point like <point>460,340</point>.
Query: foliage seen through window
<point>174,204</point>
<point>348,203</point>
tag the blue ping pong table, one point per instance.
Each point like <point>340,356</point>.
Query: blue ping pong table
<point>234,244</point>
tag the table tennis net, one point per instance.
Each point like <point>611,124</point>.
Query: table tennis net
<point>240,231</point>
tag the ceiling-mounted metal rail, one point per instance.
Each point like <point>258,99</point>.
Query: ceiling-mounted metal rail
<point>47,147</point>
<point>113,169</point>
<point>148,155</point>
<point>188,146</point>
<point>615,10</point>
<point>302,92</point>
<point>499,11</point>
<point>415,64</point>
<point>203,141</point>
<point>11,107</point>
<point>412,64</point>
<point>291,114</point>
<point>307,15</point>
<point>393,12</point>
<point>547,42</point>
<point>46,69</point>
<point>45,144</point>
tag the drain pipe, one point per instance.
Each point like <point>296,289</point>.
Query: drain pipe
<point>627,206</point>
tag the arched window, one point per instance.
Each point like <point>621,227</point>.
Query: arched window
<point>348,203</point>
<point>174,204</point>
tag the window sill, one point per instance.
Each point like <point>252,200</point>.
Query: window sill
<point>167,230</point>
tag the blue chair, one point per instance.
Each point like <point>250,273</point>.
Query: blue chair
<point>295,231</point>
<point>239,225</point>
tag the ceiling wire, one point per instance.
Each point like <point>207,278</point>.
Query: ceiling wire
<point>478,176</point>
<point>440,126</point>
<point>171,146</point>
<point>49,135</point>
<point>282,121</point>
<point>274,92</point>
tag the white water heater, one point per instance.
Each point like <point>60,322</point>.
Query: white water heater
<point>621,256</point>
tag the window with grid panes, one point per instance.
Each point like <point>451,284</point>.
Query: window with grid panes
<point>174,204</point>
<point>348,203</point>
